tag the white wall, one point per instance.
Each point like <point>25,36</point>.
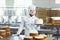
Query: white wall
<point>54,4</point>
<point>41,3</point>
<point>46,3</point>
<point>22,3</point>
<point>2,3</point>
<point>9,3</point>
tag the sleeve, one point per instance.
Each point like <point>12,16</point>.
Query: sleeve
<point>21,27</point>
<point>38,23</point>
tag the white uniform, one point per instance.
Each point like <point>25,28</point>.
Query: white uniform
<point>29,23</point>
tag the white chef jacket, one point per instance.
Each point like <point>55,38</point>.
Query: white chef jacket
<point>29,23</point>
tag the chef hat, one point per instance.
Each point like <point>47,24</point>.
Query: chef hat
<point>32,7</point>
